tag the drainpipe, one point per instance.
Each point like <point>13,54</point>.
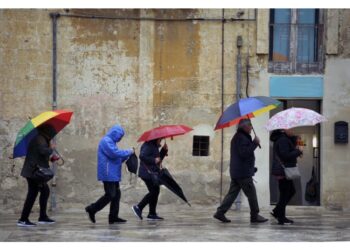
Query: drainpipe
<point>222,96</point>
<point>239,44</point>
<point>54,17</point>
<point>239,68</point>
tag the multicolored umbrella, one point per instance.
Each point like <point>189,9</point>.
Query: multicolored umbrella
<point>164,132</point>
<point>294,117</point>
<point>57,119</point>
<point>245,108</point>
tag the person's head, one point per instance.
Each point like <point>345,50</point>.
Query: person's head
<point>47,131</point>
<point>289,132</point>
<point>159,142</point>
<point>245,125</point>
<point>116,133</point>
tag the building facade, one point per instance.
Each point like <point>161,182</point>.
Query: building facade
<point>143,68</point>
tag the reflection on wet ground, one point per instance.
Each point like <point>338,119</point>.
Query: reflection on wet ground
<point>183,224</point>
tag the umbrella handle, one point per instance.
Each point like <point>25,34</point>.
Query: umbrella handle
<point>60,161</point>
<point>255,135</point>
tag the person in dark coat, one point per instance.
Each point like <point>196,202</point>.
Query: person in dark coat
<point>285,151</point>
<point>151,158</point>
<point>242,170</point>
<point>109,171</point>
<point>38,154</point>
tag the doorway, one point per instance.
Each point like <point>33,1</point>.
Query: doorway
<point>309,162</point>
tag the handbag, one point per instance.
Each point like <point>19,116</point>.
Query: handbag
<point>42,174</point>
<point>291,173</point>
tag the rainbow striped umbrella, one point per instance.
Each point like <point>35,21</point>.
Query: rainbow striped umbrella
<point>57,119</point>
<point>245,108</point>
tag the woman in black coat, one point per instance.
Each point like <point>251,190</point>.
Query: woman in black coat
<point>150,166</point>
<point>286,152</point>
<point>38,154</point>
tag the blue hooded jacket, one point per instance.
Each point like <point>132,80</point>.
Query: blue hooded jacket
<point>110,157</point>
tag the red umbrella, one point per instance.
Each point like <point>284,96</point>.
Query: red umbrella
<point>164,132</point>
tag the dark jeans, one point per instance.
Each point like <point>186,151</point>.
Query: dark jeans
<point>34,188</point>
<point>112,195</point>
<point>287,191</point>
<point>151,198</point>
<point>249,190</point>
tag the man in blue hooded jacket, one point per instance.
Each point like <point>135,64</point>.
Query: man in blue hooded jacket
<point>109,171</point>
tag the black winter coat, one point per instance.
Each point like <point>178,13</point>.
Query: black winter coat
<point>242,163</point>
<point>148,154</point>
<point>285,148</point>
<point>38,154</point>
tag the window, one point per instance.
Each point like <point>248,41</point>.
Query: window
<point>296,41</point>
<point>200,145</point>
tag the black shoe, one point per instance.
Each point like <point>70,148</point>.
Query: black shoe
<point>137,211</point>
<point>46,221</point>
<point>117,221</point>
<point>287,221</point>
<point>91,214</point>
<point>154,217</point>
<point>274,215</point>
<point>280,221</point>
<point>26,223</point>
<point>258,219</point>
<point>221,217</point>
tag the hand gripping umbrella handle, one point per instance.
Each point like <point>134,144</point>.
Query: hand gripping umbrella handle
<point>254,131</point>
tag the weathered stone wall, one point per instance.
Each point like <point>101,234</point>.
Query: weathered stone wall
<point>139,74</point>
<point>336,107</point>
<point>25,83</point>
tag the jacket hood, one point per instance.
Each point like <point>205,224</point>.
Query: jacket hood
<point>276,134</point>
<point>116,133</point>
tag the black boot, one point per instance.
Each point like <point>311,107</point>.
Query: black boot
<point>91,214</point>
<point>258,219</point>
<point>117,221</point>
<point>221,217</point>
<point>287,221</point>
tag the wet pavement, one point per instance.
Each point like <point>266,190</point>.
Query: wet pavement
<point>183,224</point>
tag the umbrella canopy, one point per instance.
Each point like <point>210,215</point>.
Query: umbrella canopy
<point>56,120</point>
<point>164,132</point>
<point>245,108</point>
<point>168,181</point>
<point>294,117</point>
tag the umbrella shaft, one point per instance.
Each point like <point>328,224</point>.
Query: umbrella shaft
<point>254,131</point>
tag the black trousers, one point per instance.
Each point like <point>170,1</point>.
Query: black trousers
<point>34,188</point>
<point>112,196</point>
<point>151,198</point>
<point>248,187</point>
<point>287,191</point>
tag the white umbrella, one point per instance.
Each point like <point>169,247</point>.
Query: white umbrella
<point>294,117</point>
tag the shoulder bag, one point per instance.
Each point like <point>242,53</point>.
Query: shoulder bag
<point>291,173</point>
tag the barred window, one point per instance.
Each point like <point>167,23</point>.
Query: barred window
<point>296,41</point>
<point>200,145</point>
